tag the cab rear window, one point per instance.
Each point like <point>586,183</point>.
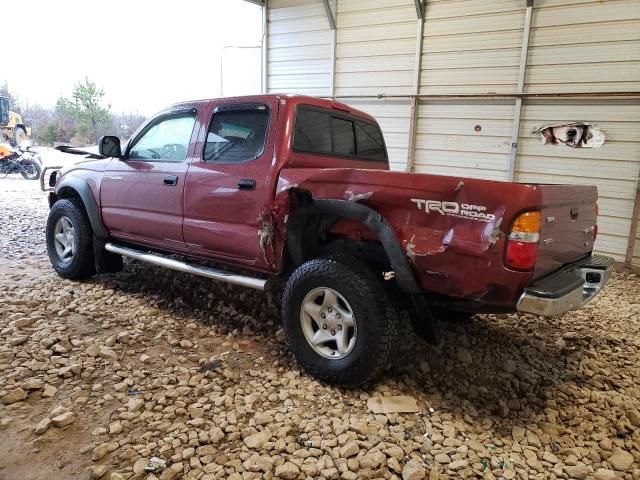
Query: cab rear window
<point>323,132</point>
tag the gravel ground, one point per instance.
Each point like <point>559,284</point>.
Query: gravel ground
<point>97,377</point>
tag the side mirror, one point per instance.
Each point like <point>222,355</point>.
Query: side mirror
<point>109,146</point>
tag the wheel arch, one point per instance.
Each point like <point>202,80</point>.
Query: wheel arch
<point>76,187</point>
<point>299,220</point>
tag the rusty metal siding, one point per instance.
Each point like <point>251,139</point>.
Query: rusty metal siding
<point>299,47</point>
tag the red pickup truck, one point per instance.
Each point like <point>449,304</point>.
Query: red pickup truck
<point>248,189</point>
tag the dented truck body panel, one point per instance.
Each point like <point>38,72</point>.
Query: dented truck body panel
<point>454,229</point>
<point>469,231</point>
<point>442,235</point>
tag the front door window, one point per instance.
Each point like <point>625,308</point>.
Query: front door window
<point>165,141</point>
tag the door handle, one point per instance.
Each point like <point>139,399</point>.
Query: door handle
<point>171,180</point>
<point>247,184</point>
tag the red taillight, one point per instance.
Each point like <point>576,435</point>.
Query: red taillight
<point>521,255</point>
<point>522,245</point>
<point>595,227</point>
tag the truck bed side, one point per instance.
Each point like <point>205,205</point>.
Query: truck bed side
<point>452,229</point>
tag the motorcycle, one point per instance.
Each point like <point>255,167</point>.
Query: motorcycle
<point>22,159</point>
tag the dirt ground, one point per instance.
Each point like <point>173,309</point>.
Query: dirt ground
<point>97,377</point>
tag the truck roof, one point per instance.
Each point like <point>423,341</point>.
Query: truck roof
<point>293,99</point>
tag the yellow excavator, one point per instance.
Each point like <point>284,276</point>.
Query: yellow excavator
<point>12,128</point>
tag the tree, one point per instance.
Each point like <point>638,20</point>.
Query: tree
<point>79,119</point>
<point>14,104</point>
<point>49,135</point>
<point>37,117</point>
<point>85,107</point>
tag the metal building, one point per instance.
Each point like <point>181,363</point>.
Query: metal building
<point>460,85</point>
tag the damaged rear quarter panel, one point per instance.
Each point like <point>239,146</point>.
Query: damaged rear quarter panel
<point>451,228</point>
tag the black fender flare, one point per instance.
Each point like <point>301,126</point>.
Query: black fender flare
<point>90,205</point>
<point>373,220</point>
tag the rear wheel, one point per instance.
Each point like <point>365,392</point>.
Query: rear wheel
<point>69,240</point>
<point>31,170</point>
<point>339,322</point>
<point>19,136</point>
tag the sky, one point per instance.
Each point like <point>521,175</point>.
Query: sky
<point>145,54</point>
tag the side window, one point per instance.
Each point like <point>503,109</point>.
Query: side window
<point>166,141</point>
<point>343,140</point>
<point>370,142</point>
<point>318,131</point>
<point>237,135</point>
<point>312,131</point>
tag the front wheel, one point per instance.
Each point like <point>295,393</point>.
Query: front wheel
<point>69,240</point>
<point>338,320</point>
<point>19,136</point>
<point>30,170</point>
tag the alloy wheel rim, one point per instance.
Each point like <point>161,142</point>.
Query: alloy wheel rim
<point>64,239</point>
<point>328,323</point>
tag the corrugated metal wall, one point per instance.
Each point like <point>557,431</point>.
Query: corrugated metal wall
<point>474,47</point>
<point>375,52</point>
<point>587,46</point>
<point>299,47</point>
<point>469,47</point>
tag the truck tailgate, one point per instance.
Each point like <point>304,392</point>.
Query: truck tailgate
<point>568,225</point>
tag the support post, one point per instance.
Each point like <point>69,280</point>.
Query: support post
<point>332,79</point>
<point>331,17</point>
<point>633,230</point>
<point>265,47</point>
<point>515,131</point>
<point>419,9</point>
<point>413,114</point>
<point>329,12</point>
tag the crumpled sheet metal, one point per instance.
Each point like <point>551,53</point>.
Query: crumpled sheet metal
<point>440,221</point>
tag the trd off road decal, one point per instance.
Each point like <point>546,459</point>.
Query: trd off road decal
<point>455,209</point>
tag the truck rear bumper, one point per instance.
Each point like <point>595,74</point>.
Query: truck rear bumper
<point>568,288</point>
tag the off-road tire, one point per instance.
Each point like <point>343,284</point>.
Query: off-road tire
<point>376,319</point>
<point>406,342</point>
<point>19,136</point>
<point>82,264</point>
<point>37,170</point>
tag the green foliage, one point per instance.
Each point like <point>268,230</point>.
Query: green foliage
<point>80,119</point>
<point>14,105</point>
<point>49,134</point>
<point>91,119</point>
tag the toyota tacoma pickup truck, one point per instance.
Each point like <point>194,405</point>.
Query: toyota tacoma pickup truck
<point>250,189</point>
